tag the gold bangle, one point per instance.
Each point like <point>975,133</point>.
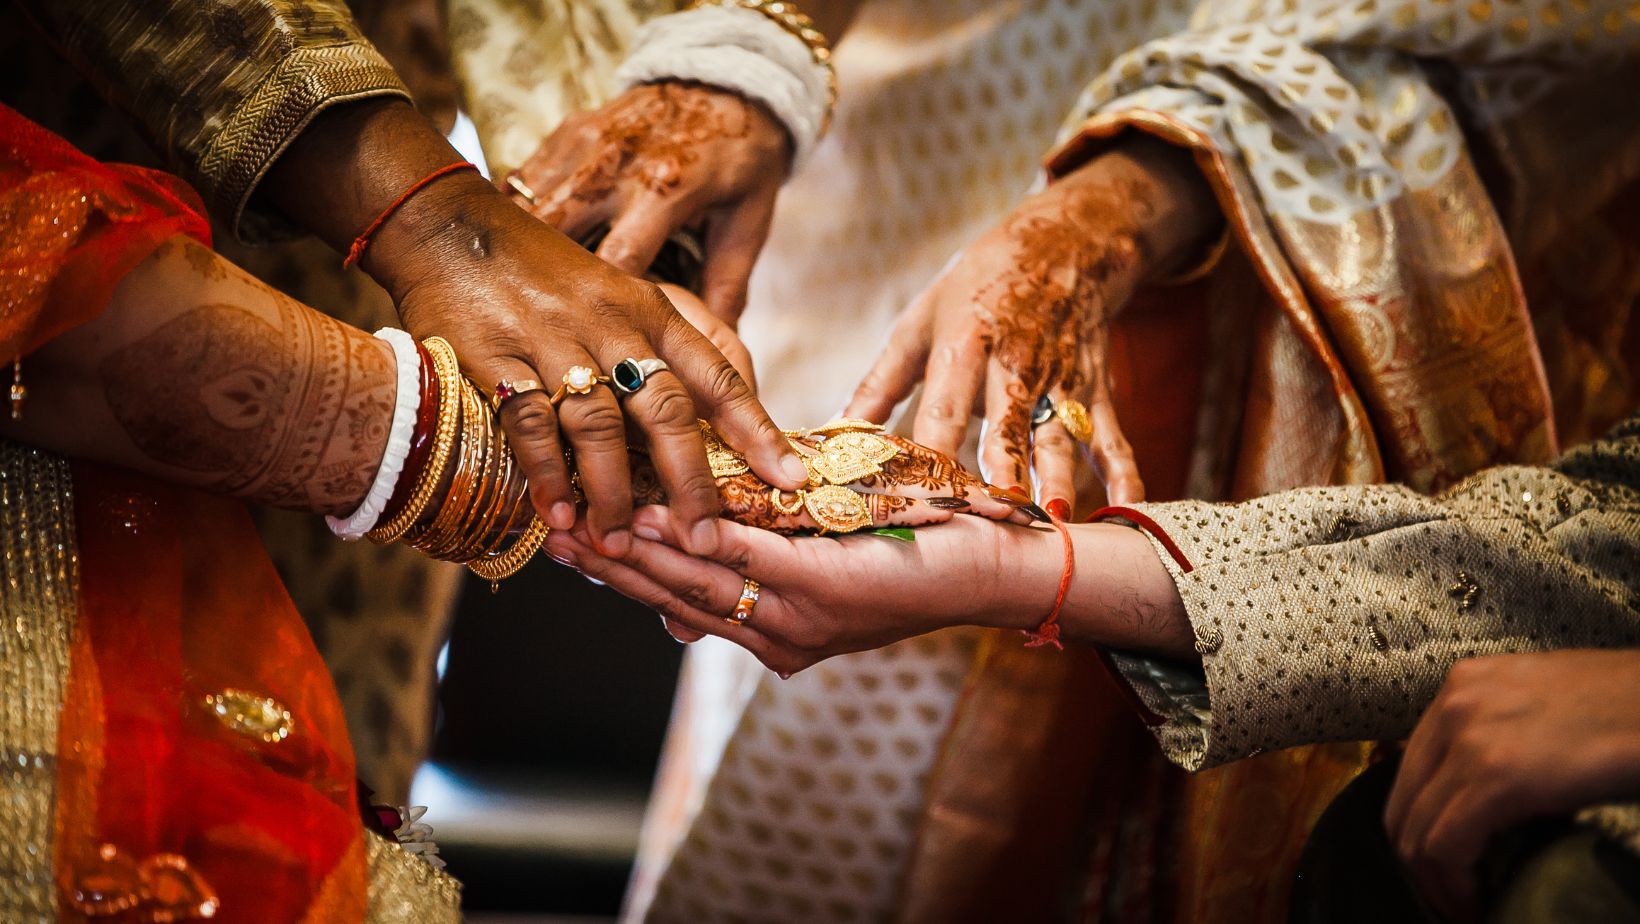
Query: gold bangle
<point>787,16</point>
<point>506,564</point>
<point>440,538</point>
<point>448,372</point>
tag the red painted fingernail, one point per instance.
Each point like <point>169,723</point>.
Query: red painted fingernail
<point>1059,508</point>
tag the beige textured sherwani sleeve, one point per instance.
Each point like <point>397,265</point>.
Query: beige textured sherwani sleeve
<point>220,89</point>
<point>1334,613</point>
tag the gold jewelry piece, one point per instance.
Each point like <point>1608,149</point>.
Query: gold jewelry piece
<point>724,460</point>
<point>776,500</point>
<point>250,714</point>
<point>578,381</point>
<point>850,456</point>
<point>1074,415</point>
<point>520,187</point>
<point>505,565</point>
<point>507,389</point>
<point>750,590</point>
<point>837,509</point>
<point>448,372</point>
<point>787,16</point>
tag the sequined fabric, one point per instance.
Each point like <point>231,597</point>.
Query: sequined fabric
<point>39,575</point>
<point>404,889</point>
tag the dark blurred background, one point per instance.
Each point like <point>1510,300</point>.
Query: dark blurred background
<point>555,699</point>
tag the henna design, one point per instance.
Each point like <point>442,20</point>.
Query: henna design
<point>653,135</point>
<point>1041,319</point>
<point>293,413</point>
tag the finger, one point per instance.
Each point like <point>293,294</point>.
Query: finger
<point>1005,442</point>
<point>724,399</point>
<point>732,246</point>
<point>632,583</point>
<point>955,377</point>
<point>531,425</point>
<point>896,371</point>
<point>662,409</point>
<point>1111,452</point>
<point>1425,750</point>
<point>1456,839</point>
<point>1054,454</point>
<point>721,334</point>
<point>596,429</point>
<point>639,232</point>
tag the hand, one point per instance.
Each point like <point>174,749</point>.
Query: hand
<point>662,157</point>
<point>1023,313</point>
<point>820,596</point>
<point>723,336</point>
<point>1509,738</point>
<point>518,300</point>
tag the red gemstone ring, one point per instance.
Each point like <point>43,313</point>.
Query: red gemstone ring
<point>506,390</point>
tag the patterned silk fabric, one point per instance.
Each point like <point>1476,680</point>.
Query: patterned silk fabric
<point>219,88</point>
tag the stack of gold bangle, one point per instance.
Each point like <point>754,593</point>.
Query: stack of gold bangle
<point>793,20</point>
<point>485,501</point>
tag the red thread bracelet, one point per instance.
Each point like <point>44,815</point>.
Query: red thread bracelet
<point>363,240</point>
<point>1048,632</point>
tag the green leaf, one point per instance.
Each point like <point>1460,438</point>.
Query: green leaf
<point>902,533</point>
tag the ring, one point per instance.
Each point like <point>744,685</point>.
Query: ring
<point>630,374</point>
<point>507,389</point>
<point>748,601</point>
<point>520,187</point>
<point>578,381</point>
<point>1072,414</point>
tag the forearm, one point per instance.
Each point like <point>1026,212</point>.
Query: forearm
<point>197,374</point>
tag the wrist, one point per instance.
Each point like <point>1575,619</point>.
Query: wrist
<point>443,228</point>
<point>1028,563</point>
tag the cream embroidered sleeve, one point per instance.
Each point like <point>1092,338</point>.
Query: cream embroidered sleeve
<point>1334,613</point>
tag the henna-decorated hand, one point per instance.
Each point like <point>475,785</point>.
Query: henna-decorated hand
<point>662,157</point>
<point>1022,313</point>
<point>859,479</point>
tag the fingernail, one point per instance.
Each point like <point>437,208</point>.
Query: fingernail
<point>567,559</point>
<point>704,537</point>
<point>617,542</point>
<point>1059,508</point>
<point>1014,496</point>
<point>785,675</point>
<point>949,503</point>
<point>647,532</point>
<point>1036,512</point>
<point>794,469</point>
<point>562,515</point>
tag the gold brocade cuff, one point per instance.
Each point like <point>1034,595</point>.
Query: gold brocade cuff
<point>305,83</point>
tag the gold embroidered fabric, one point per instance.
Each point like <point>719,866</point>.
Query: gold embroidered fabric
<point>38,604</point>
<point>404,889</point>
<point>220,88</point>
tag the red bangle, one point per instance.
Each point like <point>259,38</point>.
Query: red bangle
<point>421,439</point>
<point>363,240</point>
<point>1048,632</point>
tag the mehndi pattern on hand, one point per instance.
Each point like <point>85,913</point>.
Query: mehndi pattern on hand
<point>860,477</point>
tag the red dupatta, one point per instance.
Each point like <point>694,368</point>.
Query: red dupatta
<point>204,766</point>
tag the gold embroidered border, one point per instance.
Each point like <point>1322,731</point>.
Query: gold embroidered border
<point>39,599</point>
<point>306,82</point>
<point>404,889</point>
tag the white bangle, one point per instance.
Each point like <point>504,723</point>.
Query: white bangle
<point>407,361</point>
<point>742,51</point>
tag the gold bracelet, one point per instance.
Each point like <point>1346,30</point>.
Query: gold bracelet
<point>797,23</point>
<point>436,538</point>
<point>505,565</point>
<point>448,372</point>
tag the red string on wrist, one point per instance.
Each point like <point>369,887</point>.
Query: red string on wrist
<point>1048,632</point>
<point>363,240</point>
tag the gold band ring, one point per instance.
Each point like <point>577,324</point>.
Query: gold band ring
<point>578,381</point>
<point>1073,416</point>
<point>749,592</point>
